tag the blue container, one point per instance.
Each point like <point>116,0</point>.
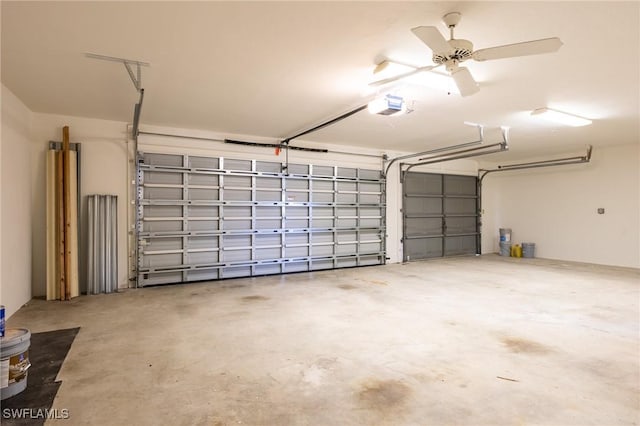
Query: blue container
<point>1,320</point>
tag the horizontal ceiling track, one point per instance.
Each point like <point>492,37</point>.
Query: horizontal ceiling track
<point>538,164</point>
<point>439,150</point>
<point>460,154</point>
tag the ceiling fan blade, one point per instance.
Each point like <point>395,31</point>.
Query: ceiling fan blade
<point>401,76</point>
<point>535,47</point>
<point>465,82</point>
<point>432,38</point>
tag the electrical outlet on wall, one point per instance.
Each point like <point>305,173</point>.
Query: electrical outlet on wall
<point>600,210</point>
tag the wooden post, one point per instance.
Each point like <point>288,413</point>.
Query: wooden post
<point>66,295</point>
<point>60,225</point>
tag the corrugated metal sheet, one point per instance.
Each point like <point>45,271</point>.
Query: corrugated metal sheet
<point>102,256</point>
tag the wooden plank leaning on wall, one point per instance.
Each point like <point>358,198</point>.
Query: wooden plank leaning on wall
<point>62,222</point>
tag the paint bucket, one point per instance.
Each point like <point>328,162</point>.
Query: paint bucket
<point>505,235</point>
<point>14,361</point>
<point>505,249</point>
<point>528,249</point>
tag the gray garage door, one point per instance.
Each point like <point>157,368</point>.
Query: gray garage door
<point>440,215</point>
<point>206,218</point>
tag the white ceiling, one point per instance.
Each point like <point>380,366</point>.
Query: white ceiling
<point>274,68</point>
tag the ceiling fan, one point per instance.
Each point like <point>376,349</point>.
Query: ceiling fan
<point>452,52</point>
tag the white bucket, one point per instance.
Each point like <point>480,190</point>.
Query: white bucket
<point>14,361</point>
<point>505,235</point>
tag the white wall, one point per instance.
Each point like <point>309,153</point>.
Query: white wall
<point>103,171</point>
<point>16,207</point>
<point>556,208</point>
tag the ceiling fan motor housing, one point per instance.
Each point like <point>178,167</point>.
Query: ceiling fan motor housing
<point>461,50</point>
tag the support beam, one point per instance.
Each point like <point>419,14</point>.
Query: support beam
<point>136,78</point>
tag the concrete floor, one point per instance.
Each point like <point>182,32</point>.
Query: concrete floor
<point>475,340</point>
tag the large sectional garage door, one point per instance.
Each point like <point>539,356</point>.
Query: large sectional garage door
<point>440,215</point>
<point>208,218</point>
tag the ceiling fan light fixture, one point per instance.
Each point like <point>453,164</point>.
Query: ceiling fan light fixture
<point>560,117</point>
<point>388,105</point>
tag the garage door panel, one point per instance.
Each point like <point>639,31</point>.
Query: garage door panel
<point>201,275</point>
<point>203,162</point>
<point>322,250</point>
<point>158,244</point>
<point>202,179</point>
<point>154,159</point>
<point>163,178</point>
<point>199,194</point>
<point>422,248</point>
<point>237,255</point>
<point>162,211</point>
<point>460,245</point>
<point>163,193</point>
<point>202,211</point>
<point>422,184</point>
<point>440,215</point>
<point>460,205</point>
<point>203,225</point>
<point>423,226</point>
<point>269,167</point>
<point>299,184</point>
<point>208,242</point>
<point>424,206</point>
<point>162,226</point>
<point>460,185</point>
<point>251,218</point>
<point>161,260</point>
<point>237,194</point>
<point>237,165</point>
<point>290,252</point>
<point>204,257</point>
<point>318,265</point>
<point>237,181</point>
<point>461,225</point>
<point>268,269</point>
<point>267,253</point>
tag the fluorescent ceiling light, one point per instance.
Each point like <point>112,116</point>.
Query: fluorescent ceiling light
<point>561,117</point>
<point>388,69</point>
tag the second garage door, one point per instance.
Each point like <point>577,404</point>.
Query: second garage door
<point>440,215</point>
